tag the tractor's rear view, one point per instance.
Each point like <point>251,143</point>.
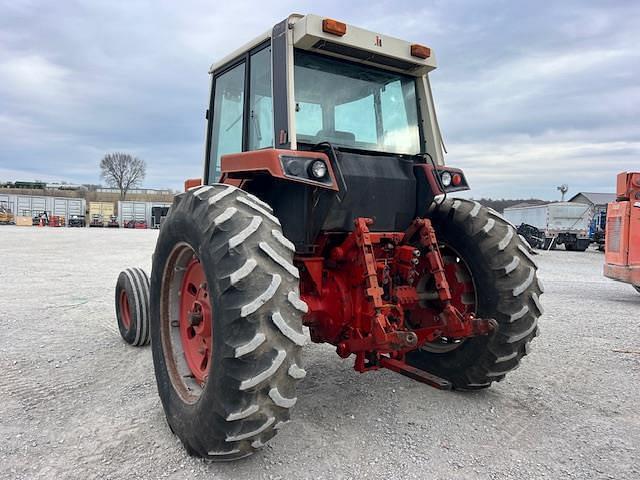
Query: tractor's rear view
<point>325,202</point>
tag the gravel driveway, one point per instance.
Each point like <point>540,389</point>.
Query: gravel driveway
<point>76,402</point>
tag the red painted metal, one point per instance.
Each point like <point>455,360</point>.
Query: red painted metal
<point>415,373</point>
<point>56,221</point>
<point>196,321</point>
<point>622,241</point>
<point>192,183</point>
<point>244,165</point>
<point>125,311</point>
<point>380,295</point>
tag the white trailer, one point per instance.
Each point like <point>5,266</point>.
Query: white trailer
<point>141,214</point>
<point>561,222</point>
<point>133,214</point>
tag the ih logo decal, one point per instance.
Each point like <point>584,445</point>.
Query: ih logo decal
<point>378,41</point>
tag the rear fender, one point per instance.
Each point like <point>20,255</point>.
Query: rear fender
<point>290,165</point>
<point>429,185</point>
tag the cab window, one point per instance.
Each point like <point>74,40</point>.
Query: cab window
<point>260,103</point>
<point>228,116</point>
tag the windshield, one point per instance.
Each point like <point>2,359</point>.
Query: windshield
<point>354,105</point>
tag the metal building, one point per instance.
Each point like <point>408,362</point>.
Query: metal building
<point>32,205</point>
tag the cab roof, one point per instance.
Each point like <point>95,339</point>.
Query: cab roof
<point>356,44</point>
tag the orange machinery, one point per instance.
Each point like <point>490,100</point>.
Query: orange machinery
<point>622,244</point>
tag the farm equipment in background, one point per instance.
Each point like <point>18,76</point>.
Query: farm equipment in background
<point>76,221</point>
<point>99,213</point>
<point>138,224</point>
<point>96,221</point>
<point>560,223</point>
<point>6,216</point>
<point>40,219</point>
<point>56,221</point>
<point>597,229</point>
<point>324,202</point>
<point>622,243</point>
<point>113,222</point>
<point>534,236</point>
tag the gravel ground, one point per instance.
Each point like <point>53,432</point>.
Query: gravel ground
<point>76,402</point>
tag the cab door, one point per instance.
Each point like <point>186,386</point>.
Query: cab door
<point>241,109</point>
<point>228,116</point>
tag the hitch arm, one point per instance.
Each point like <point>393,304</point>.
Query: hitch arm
<point>457,324</point>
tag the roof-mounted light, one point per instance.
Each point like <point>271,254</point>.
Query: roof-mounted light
<point>334,27</point>
<point>420,51</point>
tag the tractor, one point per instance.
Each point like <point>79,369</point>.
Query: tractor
<point>622,241</point>
<point>325,203</point>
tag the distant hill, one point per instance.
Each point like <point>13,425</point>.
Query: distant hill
<point>500,205</point>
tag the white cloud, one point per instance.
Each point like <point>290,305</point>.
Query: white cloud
<point>524,167</point>
<point>527,92</point>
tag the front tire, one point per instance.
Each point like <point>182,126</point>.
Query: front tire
<point>230,400</point>
<point>132,306</point>
<point>506,289</point>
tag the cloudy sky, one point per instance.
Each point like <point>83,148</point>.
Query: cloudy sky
<point>530,94</point>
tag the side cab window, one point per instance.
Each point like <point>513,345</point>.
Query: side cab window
<point>237,125</point>
<point>228,113</point>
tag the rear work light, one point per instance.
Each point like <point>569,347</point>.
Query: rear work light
<point>420,51</point>
<point>446,179</point>
<point>334,27</point>
<point>318,169</point>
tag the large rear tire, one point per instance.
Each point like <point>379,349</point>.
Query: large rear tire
<point>224,251</point>
<point>506,289</point>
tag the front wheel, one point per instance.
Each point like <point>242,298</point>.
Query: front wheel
<point>497,276</point>
<point>132,306</point>
<point>226,322</point>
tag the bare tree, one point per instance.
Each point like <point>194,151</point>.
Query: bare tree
<point>122,171</point>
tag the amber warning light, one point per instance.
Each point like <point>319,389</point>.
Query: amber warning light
<point>334,27</point>
<point>420,51</point>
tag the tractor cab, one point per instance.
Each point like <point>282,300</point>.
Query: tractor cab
<point>353,128</point>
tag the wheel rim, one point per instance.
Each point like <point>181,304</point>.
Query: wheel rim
<point>195,320</point>
<point>462,288</point>
<point>125,311</point>
<point>186,323</point>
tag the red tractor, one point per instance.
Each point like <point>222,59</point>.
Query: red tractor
<point>324,203</point>
<point>622,241</point>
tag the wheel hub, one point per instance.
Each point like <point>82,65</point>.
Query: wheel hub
<point>124,309</point>
<point>195,322</point>
<point>463,295</point>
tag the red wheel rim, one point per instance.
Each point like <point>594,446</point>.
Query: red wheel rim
<point>460,285</point>
<point>463,295</point>
<point>195,321</point>
<point>125,312</point>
